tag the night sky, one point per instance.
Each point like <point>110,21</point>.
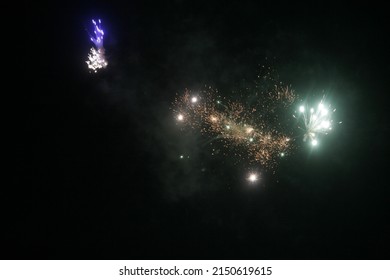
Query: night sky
<point>97,173</point>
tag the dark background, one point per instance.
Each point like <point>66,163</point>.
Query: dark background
<point>97,173</point>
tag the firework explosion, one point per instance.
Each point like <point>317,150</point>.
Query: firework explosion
<point>253,130</point>
<point>316,121</point>
<point>96,58</point>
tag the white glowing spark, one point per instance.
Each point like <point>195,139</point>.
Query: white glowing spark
<point>180,117</point>
<point>194,99</point>
<point>253,177</point>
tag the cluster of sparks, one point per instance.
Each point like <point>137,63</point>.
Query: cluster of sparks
<point>316,121</point>
<point>96,57</point>
<point>252,132</point>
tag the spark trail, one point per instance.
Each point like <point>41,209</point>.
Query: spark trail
<point>251,131</point>
<point>96,57</point>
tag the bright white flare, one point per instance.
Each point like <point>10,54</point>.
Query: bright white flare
<point>180,117</point>
<point>252,177</point>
